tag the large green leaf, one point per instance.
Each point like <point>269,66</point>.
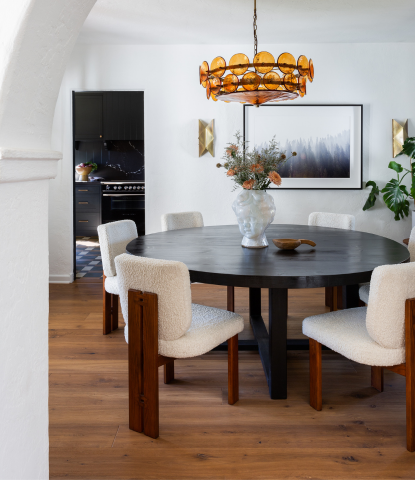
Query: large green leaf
<point>395,197</point>
<point>408,148</point>
<point>371,200</point>
<point>395,166</point>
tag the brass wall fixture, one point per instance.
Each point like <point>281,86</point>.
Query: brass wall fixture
<point>206,138</point>
<point>399,135</point>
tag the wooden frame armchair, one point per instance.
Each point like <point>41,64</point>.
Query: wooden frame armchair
<point>162,326</point>
<point>113,238</point>
<point>381,335</point>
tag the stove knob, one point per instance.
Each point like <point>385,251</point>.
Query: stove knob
<point>134,188</point>
<point>115,188</point>
<point>129,188</point>
<point>119,188</point>
<point>107,187</point>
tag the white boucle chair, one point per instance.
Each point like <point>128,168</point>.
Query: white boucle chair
<point>113,238</point>
<point>332,220</point>
<point>381,335</point>
<point>162,325</point>
<point>364,289</point>
<point>180,220</point>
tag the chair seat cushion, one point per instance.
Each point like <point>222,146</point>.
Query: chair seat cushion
<point>111,285</point>
<point>345,332</point>
<point>209,328</point>
<point>364,293</point>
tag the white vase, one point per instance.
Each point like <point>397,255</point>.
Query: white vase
<point>254,210</point>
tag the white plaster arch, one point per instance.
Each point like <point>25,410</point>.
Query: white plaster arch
<point>36,40</point>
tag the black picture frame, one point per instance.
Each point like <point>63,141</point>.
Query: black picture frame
<point>360,106</point>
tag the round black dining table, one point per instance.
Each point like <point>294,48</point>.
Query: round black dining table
<point>214,255</point>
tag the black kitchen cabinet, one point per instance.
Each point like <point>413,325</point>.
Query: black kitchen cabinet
<point>109,116</point>
<point>88,114</point>
<point>124,115</point>
<point>87,208</point>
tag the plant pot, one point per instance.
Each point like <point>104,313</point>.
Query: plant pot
<point>83,173</point>
<point>254,210</point>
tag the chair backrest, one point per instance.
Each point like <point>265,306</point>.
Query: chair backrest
<point>169,280</point>
<point>332,220</point>
<point>411,245</point>
<point>390,286</point>
<point>177,221</point>
<point>113,238</point>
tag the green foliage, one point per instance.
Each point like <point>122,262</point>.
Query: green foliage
<point>408,148</point>
<point>253,169</point>
<point>395,166</point>
<point>370,202</point>
<point>395,197</point>
<point>396,194</point>
<point>93,165</point>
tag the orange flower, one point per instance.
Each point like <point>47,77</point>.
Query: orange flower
<point>248,184</point>
<point>232,148</point>
<point>275,178</point>
<point>257,168</point>
<point>230,172</point>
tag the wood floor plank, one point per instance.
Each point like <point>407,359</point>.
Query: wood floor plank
<point>360,433</point>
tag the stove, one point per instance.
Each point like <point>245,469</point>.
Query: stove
<point>123,200</point>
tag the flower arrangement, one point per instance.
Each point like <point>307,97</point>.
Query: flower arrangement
<point>89,164</point>
<point>253,170</point>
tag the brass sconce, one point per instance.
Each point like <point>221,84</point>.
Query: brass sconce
<point>399,135</point>
<point>206,138</point>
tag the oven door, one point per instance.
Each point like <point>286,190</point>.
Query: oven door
<point>123,206</point>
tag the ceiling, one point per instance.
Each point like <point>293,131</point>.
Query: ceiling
<point>230,21</point>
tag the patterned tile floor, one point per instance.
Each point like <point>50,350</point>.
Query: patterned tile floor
<point>88,258</point>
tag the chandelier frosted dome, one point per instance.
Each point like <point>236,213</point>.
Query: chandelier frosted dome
<point>263,80</point>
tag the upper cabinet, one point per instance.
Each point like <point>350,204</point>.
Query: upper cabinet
<point>109,116</point>
<point>124,115</point>
<point>88,114</point>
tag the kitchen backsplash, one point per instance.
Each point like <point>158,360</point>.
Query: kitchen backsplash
<point>123,160</point>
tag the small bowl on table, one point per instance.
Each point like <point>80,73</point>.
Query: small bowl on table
<point>83,172</point>
<point>291,243</point>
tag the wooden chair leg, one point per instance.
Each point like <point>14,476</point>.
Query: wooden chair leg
<point>333,307</point>
<point>106,316</point>
<point>114,311</point>
<point>410,373</point>
<point>230,299</point>
<point>315,375</point>
<point>233,370</point>
<point>169,372</point>
<point>377,378</point>
<point>143,363</point>
<point>329,297</point>
<point>339,297</point>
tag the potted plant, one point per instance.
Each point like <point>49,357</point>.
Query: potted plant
<point>395,193</point>
<point>254,171</point>
<point>84,169</point>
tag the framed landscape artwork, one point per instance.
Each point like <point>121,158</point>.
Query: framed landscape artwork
<point>327,139</point>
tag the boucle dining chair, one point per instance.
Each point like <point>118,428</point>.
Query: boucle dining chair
<point>364,289</point>
<point>381,335</point>
<point>162,325</point>
<point>113,238</point>
<point>180,220</point>
<point>332,220</point>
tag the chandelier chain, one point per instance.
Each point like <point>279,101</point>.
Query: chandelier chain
<point>255,29</point>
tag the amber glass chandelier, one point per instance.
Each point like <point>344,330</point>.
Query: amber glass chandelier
<point>264,80</point>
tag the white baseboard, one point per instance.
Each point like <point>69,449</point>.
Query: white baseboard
<point>61,278</point>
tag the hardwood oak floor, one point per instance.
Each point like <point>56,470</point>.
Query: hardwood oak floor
<point>360,433</point>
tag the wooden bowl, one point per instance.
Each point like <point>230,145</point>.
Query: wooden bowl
<point>291,243</point>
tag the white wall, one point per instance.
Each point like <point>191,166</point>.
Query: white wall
<point>177,180</point>
<point>36,38</point>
